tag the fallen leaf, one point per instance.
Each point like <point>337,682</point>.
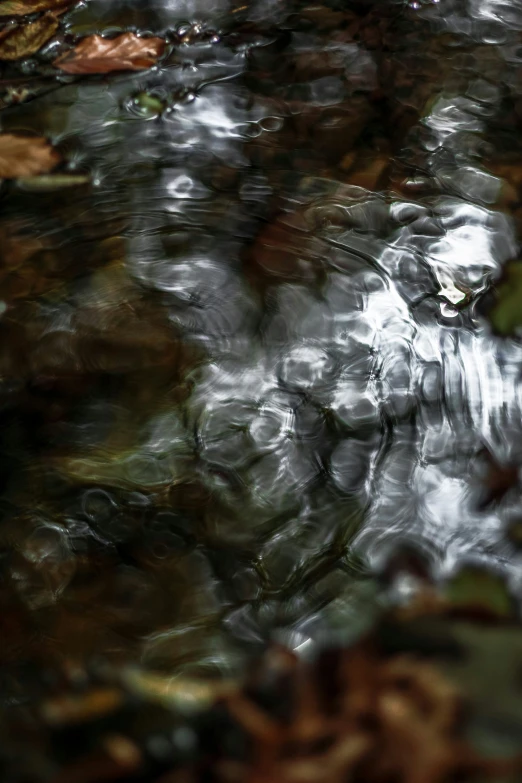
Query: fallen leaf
<point>22,7</point>
<point>354,714</point>
<point>25,156</point>
<point>127,52</point>
<point>21,40</point>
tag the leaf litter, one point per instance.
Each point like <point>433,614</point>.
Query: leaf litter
<point>23,7</point>
<point>19,40</point>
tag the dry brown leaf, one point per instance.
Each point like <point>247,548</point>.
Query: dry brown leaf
<point>22,7</point>
<point>25,156</point>
<point>127,52</point>
<point>21,40</point>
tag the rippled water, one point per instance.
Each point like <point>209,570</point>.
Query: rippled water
<point>248,359</point>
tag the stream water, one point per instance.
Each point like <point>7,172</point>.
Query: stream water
<point>244,356</point>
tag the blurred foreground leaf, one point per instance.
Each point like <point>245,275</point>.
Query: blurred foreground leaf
<point>25,156</point>
<point>424,700</point>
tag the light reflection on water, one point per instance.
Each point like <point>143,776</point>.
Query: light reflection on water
<point>244,355</point>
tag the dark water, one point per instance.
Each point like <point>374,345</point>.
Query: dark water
<point>246,357</point>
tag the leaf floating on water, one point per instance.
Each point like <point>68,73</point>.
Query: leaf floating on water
<point>127,52</point>
<point>21,40</point>
<point>25,156</point>
<point>22,7</point>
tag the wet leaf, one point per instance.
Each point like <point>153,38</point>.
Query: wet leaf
<point>127,52</point>
<point>25,156</point>
<point>22,7</point>
<point>506,315</point>
<point>21,40</point>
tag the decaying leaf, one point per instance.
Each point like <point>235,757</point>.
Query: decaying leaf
<point>127,52</point>
<point>21,40</point>
<point>374,712</point>
<point>354,715</point>
<point>25,156</point>
<point>22,7</point>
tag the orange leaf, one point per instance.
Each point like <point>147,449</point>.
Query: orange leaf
<point>24,156</point>
<point>127,52</point>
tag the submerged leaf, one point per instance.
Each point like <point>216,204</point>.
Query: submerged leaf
<point>21,40</point>
<point>22,7</point>
<point>127,52</point>
<point>24,156</point>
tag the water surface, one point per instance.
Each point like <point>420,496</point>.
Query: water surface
<point>248,358</point>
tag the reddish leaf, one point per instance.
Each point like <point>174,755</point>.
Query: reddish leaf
<point>127,52</point>
<point>23,156</point>
<point>21,40</point>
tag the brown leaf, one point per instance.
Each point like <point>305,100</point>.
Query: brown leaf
<point>22,7</point>
<point>21,40</point>
<point>24,156</point>
<point>127,52</point>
